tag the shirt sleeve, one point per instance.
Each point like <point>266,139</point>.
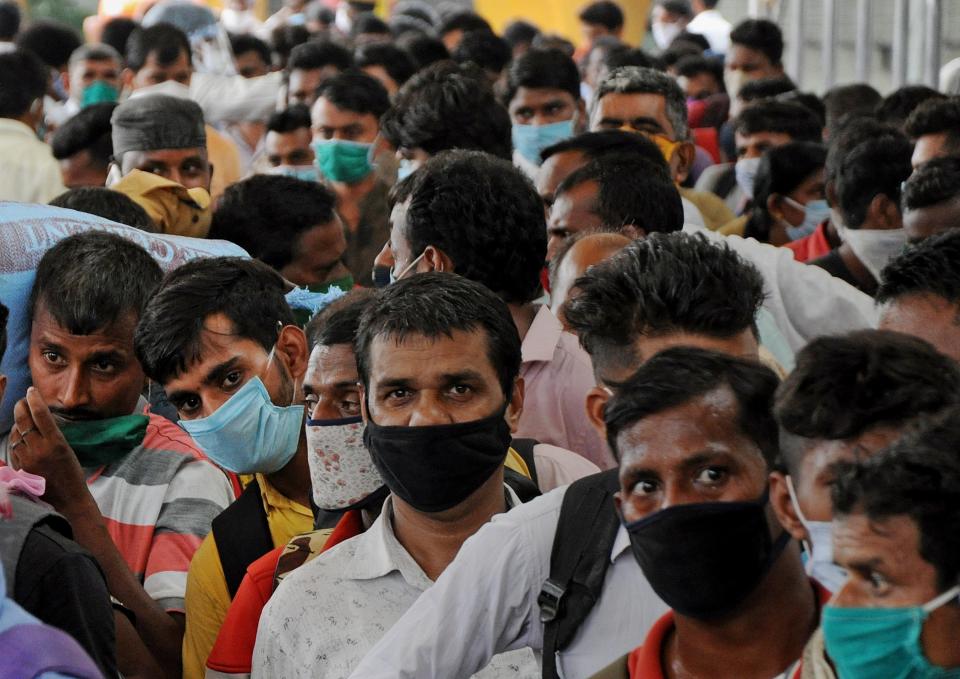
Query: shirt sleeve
<point>206,604</point>
<point>195,496</point>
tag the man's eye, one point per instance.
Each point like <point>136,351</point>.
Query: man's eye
<point>644,487</point>
<point>52,357</point>
<point>461,390</point>
<point>188,405</point>
<point>878,581</point>
<point>231,380</point>
<point>398,394</point>
<point>349,408</point>
<point>105,366</point>
<point>711,476</point>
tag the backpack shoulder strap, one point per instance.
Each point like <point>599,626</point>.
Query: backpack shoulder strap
<point>30,650</point>
<point>524,448</point>
<point>586,530</point>
<point>525,488</point>
<point>242,535</point>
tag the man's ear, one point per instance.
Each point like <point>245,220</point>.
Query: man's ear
<point>773,205</point>
<point>783,506</point>
<point>515,405</point>
<point>686,154</point>
<point>633,232</point>
<point>596,405</point>
<point>292,350</point>
<point>434,259</point>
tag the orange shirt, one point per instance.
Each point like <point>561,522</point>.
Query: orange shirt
<point>811,247</point>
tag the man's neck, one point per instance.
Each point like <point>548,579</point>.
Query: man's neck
<point>433,540</point>
<point>784,607</point>
<point>523,315</point>
<point>355,192</point>
<point>293,480</point>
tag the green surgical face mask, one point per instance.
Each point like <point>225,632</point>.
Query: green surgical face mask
<point>98,92</point>
<point>343,161</point>
<point>101,442</point>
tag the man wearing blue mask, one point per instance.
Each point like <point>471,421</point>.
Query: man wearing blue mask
<point>847,398</point>
<point>346,120</point>
<point>897,518</point>
<point>542,97</point>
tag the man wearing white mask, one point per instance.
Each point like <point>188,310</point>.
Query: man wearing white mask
<point>670,19</point>
<point>831,409</point>
<point>756,48</point>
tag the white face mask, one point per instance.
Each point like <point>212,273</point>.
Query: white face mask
<point>746,172</point>
<point>820,565</point>
<point>874,247</point>
<point>733,80</point>
<point>664,33</point>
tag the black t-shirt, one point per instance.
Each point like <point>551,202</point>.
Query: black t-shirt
<point>60,583</point>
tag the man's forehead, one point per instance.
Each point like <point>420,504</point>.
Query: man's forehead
<point>465,348</point>
<point>533,96</point>
<point>119,332</point>
<point>632,105</point>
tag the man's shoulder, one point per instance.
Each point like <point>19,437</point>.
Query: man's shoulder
<point>327,571</point>
<point>162,434</point>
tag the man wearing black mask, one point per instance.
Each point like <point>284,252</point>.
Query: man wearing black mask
<point>439,359</point>
<point>695,436</point>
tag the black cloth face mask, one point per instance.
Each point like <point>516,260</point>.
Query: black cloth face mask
<point>436,467</point>
<point>705,559</point>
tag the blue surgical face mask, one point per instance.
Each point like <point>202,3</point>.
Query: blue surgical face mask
<point>819,547</point>
<point>866,643</point>
<point>746,172</point>
<point>405,169</point>
<point>307,173</point>
<point>814,213</point>
<point>531,140</point>
<point>249,434</point>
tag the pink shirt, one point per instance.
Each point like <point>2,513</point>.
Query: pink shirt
<point>557,375</point>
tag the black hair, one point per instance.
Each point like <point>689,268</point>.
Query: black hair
<point>766,88</point>
<point>782,169</point>
<point>448,106</point>
<point>338,322</point>
<point>934,182</point>
<point>630,190</point>
<point>355,91</point>
<point>267,214</point>
<point>678,7</point>
<point>103,202</point>
<point>165,41</point>
<point>602,13</point>
<point>520,32</point>
<point>465,21</point>
<point>897,106</point>
<point>241,44</point>
<point>853,131</point>
<point>694,65</point>
<point>692,40</point>
<point>877,166</point>
<point>678,375</point>
<point>659,285</point>
<point>842,101</point>
<point>290,119</point>
<point>117,31</point>
<point>4,315</point>
<point>287,38</point>
<point>89,130</point>
<point>484,214</point>
<point>808,100</point>
<point>542,69</point>
<point>52,41</point>
<point>795,120</point>
<point>930,267</point>
<point>917,477</point>
<point>709,4</point>
<point>423,49</point>
<point>368,22</point>
<point>488,51</point>
<point>679,50</point>
<point>437,304</point>
<point>396,62</point>
<point>937,116</point>
<point>623,55</point>
<point>23,80</point>
<point>89,280</point>
<point>552,41</point>
<point>603,142</point>
<point>418,9</point>
<point>9,27</point>
<point>249,293</point>
<point>316,54</point>
<point>843,386</point>
<point>761,35</point>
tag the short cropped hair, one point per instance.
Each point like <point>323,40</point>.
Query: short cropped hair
<point>290,119</point>
<point>602,13</point>
<point>760,35</point>
<point>542,69</point>
<point>316,54</point>
<point>338,322</point>
<point>788,118</point>
<point>637,80</point>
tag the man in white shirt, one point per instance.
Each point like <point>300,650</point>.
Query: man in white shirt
<point>29,173</point>
<point>709,23</point>
<point>439,361</point>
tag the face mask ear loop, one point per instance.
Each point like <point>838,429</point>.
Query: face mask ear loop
<point>942,600</point>
<point>807,545</point>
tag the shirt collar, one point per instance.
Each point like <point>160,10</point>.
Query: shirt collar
<point>274,500</point>
<point>542,337</point>
<point>621,544</point>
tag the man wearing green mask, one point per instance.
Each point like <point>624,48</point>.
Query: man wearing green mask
<point>346,122</point>
<point>136,490</point>
<point>93,76</point>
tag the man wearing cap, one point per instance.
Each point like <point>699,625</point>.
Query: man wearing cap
<point>160,161</point>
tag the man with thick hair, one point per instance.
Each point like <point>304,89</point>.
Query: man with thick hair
<point>457,24</point>
<point>934,127</point>
<point>112,205</point>
<point>919,292</point>
<point>93,77</point>
<point>29,173</point>
<point>386,62</point>
<point>83,427</point>
<point>310,64</point>
<point>931,198</point>
<point>439,362</point>
<point>848,397</point>
<point>51,40</point>
<point>84,147</point>
<point>304,241</point>
<point>756,51</point>
<point>346,119</point>
<point>601,18</point>
<point>485,50</point>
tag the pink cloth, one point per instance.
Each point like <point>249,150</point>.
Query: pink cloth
<point>557,375</point>
<point>558,467</point>
<point>19,481</point>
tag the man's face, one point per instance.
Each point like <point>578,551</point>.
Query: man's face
<point>931,146</point>
<point>554,170</point>
<point>699,86</point>
<point>187,167</point>
<point>645,113</point>
<point>754,64</point>
<point>573,211</point>
<point>924,222</point>
<point>331,384</point>
<point>85,73</point>
<point>421,381</point>
<point>319,255</point>
<point>929,317</point>
<point>690,453</point>
<point>753,145</point>
<point>289,148</point>
<point>85,377</point>
<point>333,122</point>
<point>303,84</point>
<point>226,363</point>
<point>542,106</point>
<point>79,170</point>
<point>154,73</point>
<point>251,64</point>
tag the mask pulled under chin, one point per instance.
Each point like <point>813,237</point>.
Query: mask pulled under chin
<point>434,468</point>
<point>874,247</point>
<point>725,553</point>
<point>101,442</point>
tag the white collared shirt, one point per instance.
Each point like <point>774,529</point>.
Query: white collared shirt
<point>486,603</point>
<point>327,614</point>
<point>29,173</point>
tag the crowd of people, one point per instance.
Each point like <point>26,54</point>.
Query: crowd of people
<point>476,354</point>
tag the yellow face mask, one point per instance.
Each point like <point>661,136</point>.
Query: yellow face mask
<point>665,144</point>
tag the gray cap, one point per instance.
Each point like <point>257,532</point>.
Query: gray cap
<point>157,122</point>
